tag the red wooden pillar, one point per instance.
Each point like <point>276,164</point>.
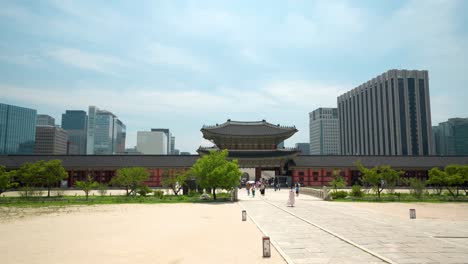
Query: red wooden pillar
<point>258,174</point>
<point>295,176</point>
<point>348,176</point>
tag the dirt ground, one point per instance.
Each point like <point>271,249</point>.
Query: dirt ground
<point>443,211</point>
<point>124,233</point>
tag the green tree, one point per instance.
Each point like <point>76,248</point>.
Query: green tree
<point>437,179</point>
<point>50,173</point>
<point>5,179</point>
<point>338,181</point>
<point>379,177</point>
<point>175,182</point>
<point>130,178</point>
<point>214,171</point>
<point>86,185</point>
<point>452,178</point>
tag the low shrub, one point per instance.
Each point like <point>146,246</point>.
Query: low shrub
<point>192,193</point>
<point>356,191</point>
<point>143,190</point>
<point>158,194</point>
<point>102,189</point>
<point>339,194</point>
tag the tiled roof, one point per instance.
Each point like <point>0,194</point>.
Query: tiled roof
<point>256,128</point>
<point>105,161</point>
<point>423,162</point>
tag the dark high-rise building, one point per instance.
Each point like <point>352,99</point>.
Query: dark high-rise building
<point>75,123</point>
<point>304,148</point>
<point>51,140</point>
<point>388,115</point>
<point>45,120</point>
<point>451,137</point>
<point>17,129</point>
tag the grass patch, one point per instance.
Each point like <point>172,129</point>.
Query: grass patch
<point>95,200</point>
<point>404,197</point>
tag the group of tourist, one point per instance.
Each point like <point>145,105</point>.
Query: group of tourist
<point>252,187</point>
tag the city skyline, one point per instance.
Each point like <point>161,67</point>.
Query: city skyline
<point>164,65</point>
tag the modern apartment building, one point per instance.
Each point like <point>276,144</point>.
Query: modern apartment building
<point>75,122</point>
<point>152,142</point>
<point>106,133</point>
<point>324,132</point>
<point>51,140</point>
<point>45,120</point>
<point>388,115</point>
<point>451,137</point>
<point>17,129</point>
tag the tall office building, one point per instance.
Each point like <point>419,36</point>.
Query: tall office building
<point>17,129</point>
<point>75,123</point>
<point>388,115</point>
<point>152,142</point>
<point>451,137</point>
<point>45,120</point>
<point>106,133</point>
<point>172,145</point>
<point>51,140</point>
<point>324,132</point>
<point>304,148</point>
<point>168,136</point>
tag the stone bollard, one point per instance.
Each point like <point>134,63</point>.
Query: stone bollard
<point>412,213</point>
<point>244,215</point>
<point>266,247</point>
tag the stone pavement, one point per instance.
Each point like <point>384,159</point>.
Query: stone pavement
<point>316,231</point>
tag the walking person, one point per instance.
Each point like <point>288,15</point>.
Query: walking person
<point>262,189</point>
<point>253,191</point>
<point>247,186</point>
<point>292,199</point>
<point>297,189</point>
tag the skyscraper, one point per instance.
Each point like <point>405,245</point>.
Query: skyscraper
<point>51,140</point>
<point>388,115</point>
<point>75,123</point>
<point>106,133</point>
<point>304,148</point>
<point>45,120</point>
<point>168,135</point>
<point>172,145</point>
<point>324,132</point>
<point>152,142</point>
<point>17,129</point>
<point>451,137</point>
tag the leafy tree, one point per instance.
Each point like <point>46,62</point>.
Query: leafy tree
<point>50,173</point>
<point>379,177</point>
<point>86,185</point>
<point>175,182</point>
<point>437,179</point>
<point>144,190</point>
<point>417,187</point>
<point>452,178</point>
<point>27,174</point>
<point>102,189</point>
<point>215,171</point>
<point>338,181</point>
<point>130,178</point>
<point>5,179</point>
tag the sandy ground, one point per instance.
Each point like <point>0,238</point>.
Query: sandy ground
<point>443,211</point>
<point>124,233</point>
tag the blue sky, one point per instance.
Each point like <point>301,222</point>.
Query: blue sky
<point>183,64</point>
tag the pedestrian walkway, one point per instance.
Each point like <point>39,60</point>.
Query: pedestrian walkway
<point>315,231</point>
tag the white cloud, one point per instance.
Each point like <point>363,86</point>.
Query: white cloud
<point>157,53</point>
<point>86,60</point>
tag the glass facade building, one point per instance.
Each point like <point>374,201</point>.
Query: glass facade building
<point>17,129</point>
<point>45,120</point>
<point>106,133</point>
<point>75,123</point>
<point>388,115</point>
<point>323,132</point>
<point>451,137</point>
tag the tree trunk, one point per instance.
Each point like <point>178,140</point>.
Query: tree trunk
<point>86,195</point>
<point>214,193</point>
<point>126,188</point>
